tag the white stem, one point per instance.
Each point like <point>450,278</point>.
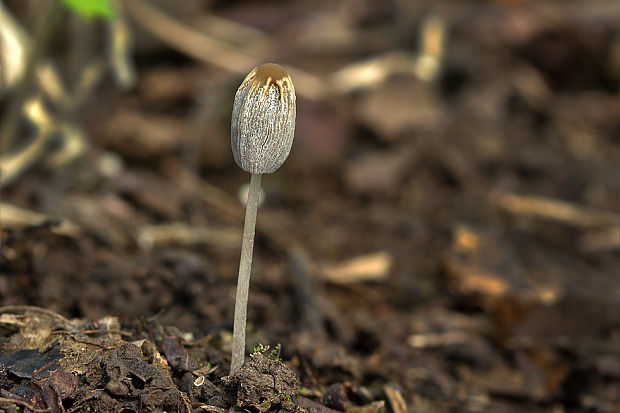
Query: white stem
<point>243,282</point>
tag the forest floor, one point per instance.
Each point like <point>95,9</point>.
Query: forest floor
<point>443,241</point>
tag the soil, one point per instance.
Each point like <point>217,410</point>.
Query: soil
<point>433,244</point>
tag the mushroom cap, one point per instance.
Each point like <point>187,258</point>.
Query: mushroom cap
<point>263,119</point>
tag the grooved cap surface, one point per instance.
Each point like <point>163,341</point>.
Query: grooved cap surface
<point>263,119</point>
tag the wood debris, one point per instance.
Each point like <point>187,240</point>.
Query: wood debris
<point>370,267</point>
<point>395,398</point>
<point>13,217</point>
<point>151,236</point>
<point>555,210</point>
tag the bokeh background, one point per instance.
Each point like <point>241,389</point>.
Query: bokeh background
<point>448,220</point>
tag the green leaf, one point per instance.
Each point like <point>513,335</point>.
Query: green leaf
<point>91,8</point>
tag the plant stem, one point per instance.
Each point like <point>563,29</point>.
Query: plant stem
<point>243,282</point>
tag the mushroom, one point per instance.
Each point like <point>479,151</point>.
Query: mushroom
<point>261,136</point>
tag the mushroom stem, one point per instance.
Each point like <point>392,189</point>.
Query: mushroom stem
<point>243,282</point>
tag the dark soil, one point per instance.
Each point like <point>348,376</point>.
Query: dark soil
<point>446,244</point>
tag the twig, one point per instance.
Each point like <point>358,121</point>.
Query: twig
<point>90,343</point>
<point>207,49</point>
<point>38,45</point>
<point>370,267</point>
<point>52,85</point>
<point>96,331</point>
<point>425,65</point>
<point>43,368</point>
<point>448,338</point>
<point>72,145</point>
<point>71,136</point>
<point>561,211</point>
<point>395,397</point>
<point>372,72</point>
<point>230,30</point>
<point>89,78</point>
<point>186,39</point>
<point>13,57</point>
<point>13,165</point>
<point>120,50</point>
<point>26,308</point>
<point>25,405</point>
<point>179,233</point>
<point>13,217</point>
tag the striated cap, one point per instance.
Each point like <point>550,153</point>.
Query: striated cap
<point>263,119</point>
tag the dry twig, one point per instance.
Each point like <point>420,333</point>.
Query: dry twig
<point>178,233</point>
<point>71,137</point>
<point>369,73</point>
<point>552,209</point>
<point>370,267</point>
<point>205,48</point>
<point>25,405</point>
<point>395,397</point>
<point>34,309</point>
<point>13,217</point>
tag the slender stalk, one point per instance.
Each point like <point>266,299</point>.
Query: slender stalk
<point>243,282</point>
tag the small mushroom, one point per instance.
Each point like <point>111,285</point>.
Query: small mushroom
<point>261,136</point>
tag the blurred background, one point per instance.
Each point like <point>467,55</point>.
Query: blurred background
<point>448,219</point>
